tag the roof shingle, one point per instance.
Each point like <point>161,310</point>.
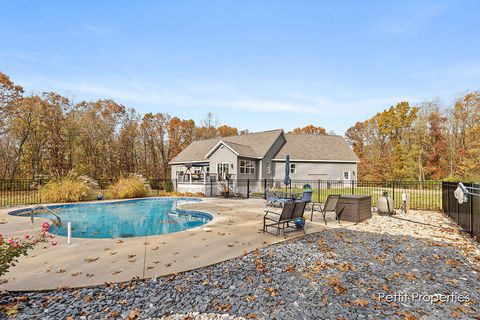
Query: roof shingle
<point>316,148</point>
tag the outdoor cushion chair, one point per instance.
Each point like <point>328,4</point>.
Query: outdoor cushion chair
<point>270,196</point>
<point>278,220</point>
<point>306,196</point>
<point>329,206</point>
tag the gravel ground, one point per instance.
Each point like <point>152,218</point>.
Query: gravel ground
<point>414,266</point>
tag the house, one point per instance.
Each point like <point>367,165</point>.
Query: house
<point>261,156</point>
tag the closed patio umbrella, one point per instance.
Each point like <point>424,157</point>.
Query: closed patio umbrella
<point>287,181</point>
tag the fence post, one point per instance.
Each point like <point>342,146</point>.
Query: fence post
<point>470,218</point>
<point>248,188</point>
<point>318,192</point>
<point>265,189</point>
<point>353,186</point>
<point>393,195</point>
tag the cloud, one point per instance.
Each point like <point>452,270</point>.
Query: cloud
<point>184,97</point>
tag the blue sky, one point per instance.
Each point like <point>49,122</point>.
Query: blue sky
<point>254,64</point>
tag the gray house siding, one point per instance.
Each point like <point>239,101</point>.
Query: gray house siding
<point>268,159</point>
<point>317,170</point>
<point>243,176</point>
<point>224,155</point>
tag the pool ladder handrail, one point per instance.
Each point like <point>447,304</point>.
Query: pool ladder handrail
<point>32,210</point>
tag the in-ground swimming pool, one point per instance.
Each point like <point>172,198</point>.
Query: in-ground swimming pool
<point>122,219</point>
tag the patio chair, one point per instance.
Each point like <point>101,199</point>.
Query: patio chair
<point>270,196</point>
<point>306,196</point>
<point>298,212</point>
<point>329,206</point>
<point>278,220</point>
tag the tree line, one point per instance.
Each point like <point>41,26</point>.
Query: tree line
<point>45,135</point>
<point>425,142</point>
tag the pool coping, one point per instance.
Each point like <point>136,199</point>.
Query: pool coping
<point>233,232</point>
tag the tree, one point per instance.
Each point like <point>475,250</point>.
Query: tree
<point>225,131</point>
<point>207,130</point>
<point>9,93</point>
<point>310,129</point>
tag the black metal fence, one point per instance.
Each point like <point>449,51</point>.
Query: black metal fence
<point>423,195</point>
<point>467,214</point>
<point>14,192</point>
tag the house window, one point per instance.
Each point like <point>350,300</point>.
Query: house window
<point>268,167</point>
<point>293,168</point>
<point>247,167</point>
<point>346,175</point>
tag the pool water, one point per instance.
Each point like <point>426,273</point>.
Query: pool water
<point>123,219</point>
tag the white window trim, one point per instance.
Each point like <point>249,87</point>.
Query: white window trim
<point>247,166</point>
<point>349,173</point>
<point>268,167</point>
<point>293,168</point>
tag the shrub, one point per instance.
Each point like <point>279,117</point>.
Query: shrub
<point>70,188</point>
<point>13,248</point>
<point>182,194</point>
<point>134,186</point>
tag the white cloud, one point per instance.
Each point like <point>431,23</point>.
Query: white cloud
<point>184,97</point>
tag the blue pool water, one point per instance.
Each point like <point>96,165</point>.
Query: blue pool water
<point>122,219</point>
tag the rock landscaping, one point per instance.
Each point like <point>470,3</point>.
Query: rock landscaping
<point>413,266</point>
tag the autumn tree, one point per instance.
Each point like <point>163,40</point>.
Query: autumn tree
<point>9,93</point>
<point>225,131</point>
<point>310,129</point>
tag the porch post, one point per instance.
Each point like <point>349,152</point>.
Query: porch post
<point>190,177</point>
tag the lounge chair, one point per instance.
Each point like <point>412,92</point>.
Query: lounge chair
<point>329,206</point>
<point>270,196</point>
<point>281,221</point>
<point>278,220</point>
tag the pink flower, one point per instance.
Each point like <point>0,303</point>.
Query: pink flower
<point>54,242</point>
<point>27,236</point>
<point>13,243</point>
<point>45,226</point>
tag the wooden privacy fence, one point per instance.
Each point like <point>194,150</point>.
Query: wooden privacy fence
<point>467,214</point>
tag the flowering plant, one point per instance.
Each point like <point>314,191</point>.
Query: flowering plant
<point>11,249</point>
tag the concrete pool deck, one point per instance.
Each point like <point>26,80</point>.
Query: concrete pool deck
<point>234,230</point>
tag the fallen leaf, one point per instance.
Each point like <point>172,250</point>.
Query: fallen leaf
<point>360,302</point>
<point>290,268</point>
<point>133,314</point>
<point>89,260</point>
